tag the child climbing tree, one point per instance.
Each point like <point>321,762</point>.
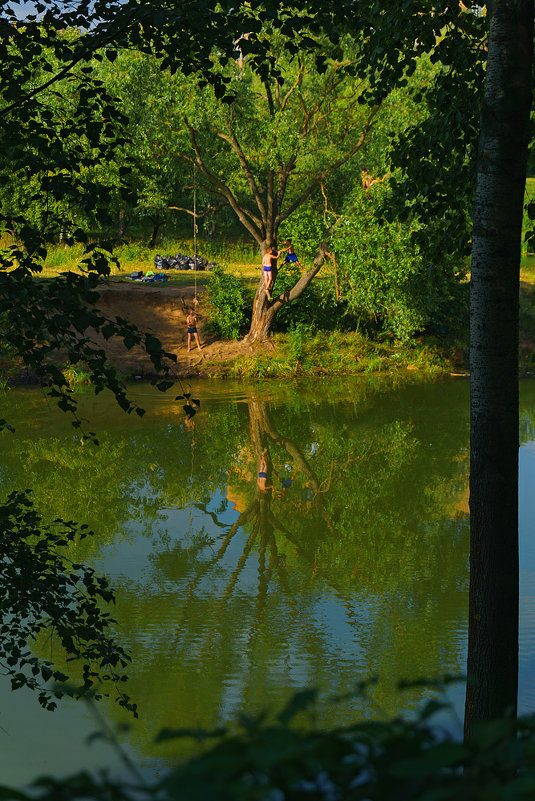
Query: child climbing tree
<point>263,156</point>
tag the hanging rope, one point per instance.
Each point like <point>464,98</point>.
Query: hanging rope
<point>195,301</point>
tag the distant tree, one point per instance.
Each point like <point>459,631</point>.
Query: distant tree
<point>159,178</point>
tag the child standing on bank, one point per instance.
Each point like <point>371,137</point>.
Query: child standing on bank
<point>191,321</point>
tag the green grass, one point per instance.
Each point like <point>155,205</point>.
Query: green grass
<point>241,258</point>
<point>342,353</point>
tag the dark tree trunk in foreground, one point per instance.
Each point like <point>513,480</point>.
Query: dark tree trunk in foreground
<point>493,606</point>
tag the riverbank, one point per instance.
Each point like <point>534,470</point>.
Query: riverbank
<point>161,310</point>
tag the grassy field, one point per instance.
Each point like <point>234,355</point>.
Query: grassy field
<point>241,259</point>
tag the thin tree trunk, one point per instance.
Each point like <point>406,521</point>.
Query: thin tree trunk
<point>492,666</point>
<point>155,229</point>
<point>121,225</point>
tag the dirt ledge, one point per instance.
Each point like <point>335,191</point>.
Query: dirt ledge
<point>162,310</point>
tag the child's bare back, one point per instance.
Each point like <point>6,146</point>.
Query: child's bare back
<point>191,321</point>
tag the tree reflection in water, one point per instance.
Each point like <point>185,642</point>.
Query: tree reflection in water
<point>349,559</point>
<point>360,561</point>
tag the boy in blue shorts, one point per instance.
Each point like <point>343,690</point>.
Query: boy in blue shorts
<point>268,258</point>
<point>291,257</point>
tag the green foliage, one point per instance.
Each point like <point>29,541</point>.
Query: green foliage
<point>59,129</point>
<point>227,301</point>
<point>306,352</point>
<point>316,306</point>
<point>385,274</point>
<point>275,758</point>
<point>44,592</point>
<point>56,143</point>
<point>48,319</point>
<point>306,228</point>
<point>434,157</point>
<point>296,340</point>
<point>76,376</point>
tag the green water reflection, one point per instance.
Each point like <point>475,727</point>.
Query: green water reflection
<point>347,557</point>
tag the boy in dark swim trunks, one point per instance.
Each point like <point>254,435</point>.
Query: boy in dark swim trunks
<point>263,473</point>
<point>191,321</point>
<point>291,257</point>
<point>268,258</point>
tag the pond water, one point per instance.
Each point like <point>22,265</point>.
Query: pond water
<point>346,558</point>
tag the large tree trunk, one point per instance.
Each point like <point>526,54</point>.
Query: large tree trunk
<point>493,603</point>
<point>265,311</point>
<point>263,316</point>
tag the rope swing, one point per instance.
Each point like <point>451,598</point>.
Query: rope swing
<point>195,301</point>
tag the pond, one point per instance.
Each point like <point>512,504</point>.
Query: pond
<point>294,535</point>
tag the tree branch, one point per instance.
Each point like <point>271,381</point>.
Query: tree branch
<point>296,85</point>
<point>246,218</point>
<point>334,166</point>
<point>215,207</point>
<point>235,145</point>
<point>95,44</point>
<point>298,288</point>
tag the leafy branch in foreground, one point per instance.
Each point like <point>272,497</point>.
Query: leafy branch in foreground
<point>387,760</point>
<point>44,322</point>
<point>44,593</point>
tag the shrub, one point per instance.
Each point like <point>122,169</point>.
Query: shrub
<point>270,759</point>
<point>387,276</point>
<point>227,300</point>
<point>316,307</point>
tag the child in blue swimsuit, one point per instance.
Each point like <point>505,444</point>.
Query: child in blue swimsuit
<point>291,257</point>
<point>267,267</point>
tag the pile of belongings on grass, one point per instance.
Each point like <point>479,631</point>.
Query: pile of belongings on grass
<point>148,277</point>
<point>181,262</point>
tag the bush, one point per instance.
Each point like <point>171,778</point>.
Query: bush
<point>227,301</point>
<point>316,307</point>
<point>386,276</point>
<point>276,759</point>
